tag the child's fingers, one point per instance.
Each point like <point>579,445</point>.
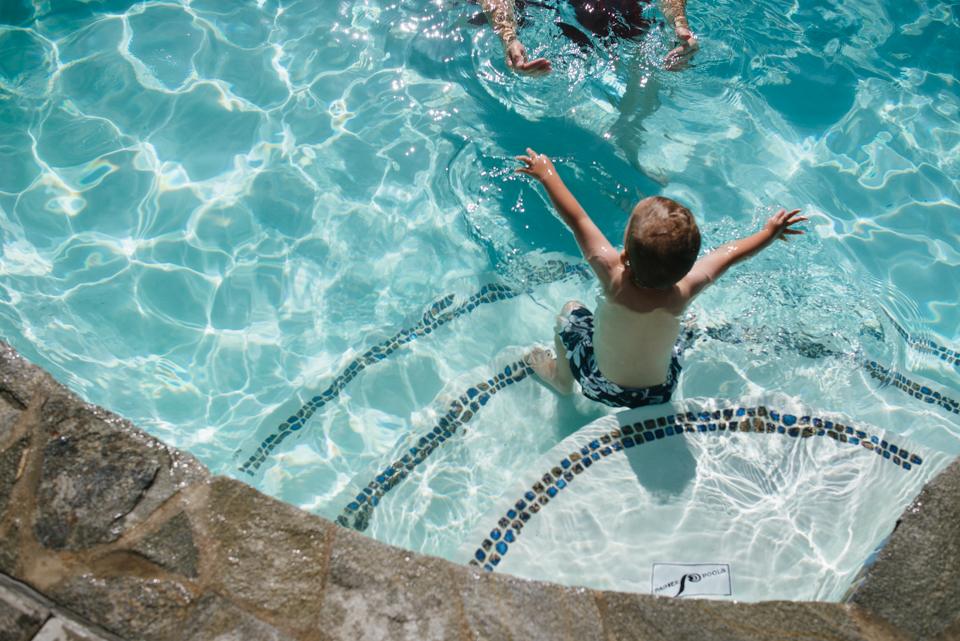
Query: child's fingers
<point>525,159</point>
<point>783,213</point>
<point>535,68</point>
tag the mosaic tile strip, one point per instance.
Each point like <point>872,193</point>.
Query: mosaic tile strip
<point>925,346</point>
<point>792,342</point>
<point>887,376</point>
<point>438,314</point>
<point>913,388</point>
<point>550,272</point>
<point>718,422</point>
<point>458,413</point>
<point>861,576</point>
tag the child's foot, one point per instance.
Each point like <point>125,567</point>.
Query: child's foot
<point>545,366</point>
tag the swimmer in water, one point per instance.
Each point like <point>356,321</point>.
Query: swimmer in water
<point>626,354</point>
<point>605,18</point>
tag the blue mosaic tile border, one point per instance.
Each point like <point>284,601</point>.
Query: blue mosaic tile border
<point>458,413</point>
<point>739,419</point>
<point>810,349</point>
<point>912,388</point>
<point>861,577</point>
<point>441,312</point>
<point>925,346</point>
<point>794,343</point>
<point>438,314</point>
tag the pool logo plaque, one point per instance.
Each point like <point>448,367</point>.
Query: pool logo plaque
<point>690,579</point>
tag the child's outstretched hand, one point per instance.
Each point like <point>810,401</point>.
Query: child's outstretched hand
<point>780,224</point>
<point>517,60</point>
<point>537,165</point>
<point>687,45</point>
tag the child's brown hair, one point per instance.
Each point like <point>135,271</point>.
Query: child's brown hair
<point>662,242</point>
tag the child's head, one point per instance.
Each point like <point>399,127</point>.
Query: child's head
<point>662,242</point>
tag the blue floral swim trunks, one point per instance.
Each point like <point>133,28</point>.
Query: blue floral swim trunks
<point>576,334</point>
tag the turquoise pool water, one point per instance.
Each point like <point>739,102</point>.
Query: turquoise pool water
<point>209,210</point>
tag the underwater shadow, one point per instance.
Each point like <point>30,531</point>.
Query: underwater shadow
<point>664,468</point>
<point>572,416</point>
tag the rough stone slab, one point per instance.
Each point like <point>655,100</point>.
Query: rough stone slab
<point>649,618</point>
<point>9,412</point>
<point>134,608</point>
<point>10,460</point>
<point>915,581</point>
<point>505,607</point>
<point>215,619</point>
<point>20,616</point>
<point>172,546</point>
<point>100,475</point>
<point>57,629</point>
<point>9,547</point>
<point>19,381</point>
<point>812,620</point>
<point>271,555</point>
<point>59,618</point>
<point>950,634</point>
<point>89,482</point>
<point>377,591</point>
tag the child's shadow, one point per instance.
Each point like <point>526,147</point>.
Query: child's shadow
<point>665,467</point>
<point>571,415</point>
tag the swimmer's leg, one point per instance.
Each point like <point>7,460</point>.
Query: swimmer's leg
<point>555,372</point>
<point>545,367</point>
<point>641,99</point>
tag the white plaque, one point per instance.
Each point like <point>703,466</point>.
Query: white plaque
<point>690,579</point>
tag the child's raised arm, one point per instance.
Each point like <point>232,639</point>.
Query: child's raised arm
<point>712,266</point>
<point>600,254</point>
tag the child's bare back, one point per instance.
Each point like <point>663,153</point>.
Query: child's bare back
<point>624,360</point>
<point>626,355</point>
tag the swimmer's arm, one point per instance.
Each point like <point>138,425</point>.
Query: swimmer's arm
<point>599,252</point>
<point>500,14</point>
<point>675,11</point>
<point>712,266</point>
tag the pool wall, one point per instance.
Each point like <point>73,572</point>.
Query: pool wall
<point>106,532</point>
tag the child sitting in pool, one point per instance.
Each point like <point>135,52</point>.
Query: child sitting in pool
<point>626,355</point>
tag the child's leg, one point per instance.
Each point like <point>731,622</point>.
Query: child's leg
<point>554,372</point>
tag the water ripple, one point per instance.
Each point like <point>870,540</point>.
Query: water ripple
<point>206,205</point>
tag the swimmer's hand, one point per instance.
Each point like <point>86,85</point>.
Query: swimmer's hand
<point>679,58</point>
<point>780,223</point>
<point>536,165</point>
<point>517,61</point>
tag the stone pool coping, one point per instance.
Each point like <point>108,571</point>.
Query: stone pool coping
<point>107,533</point>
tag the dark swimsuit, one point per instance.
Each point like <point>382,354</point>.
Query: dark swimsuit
<point>576,334</point>
<point>604,18</point>
<point>611,18</point>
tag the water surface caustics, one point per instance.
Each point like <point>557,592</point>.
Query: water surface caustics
<point>209,208</point>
